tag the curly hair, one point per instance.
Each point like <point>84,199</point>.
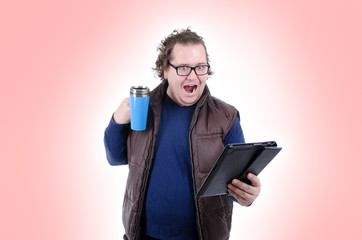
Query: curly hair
<point>185,36</point>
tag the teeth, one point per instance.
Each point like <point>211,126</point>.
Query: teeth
<point>193,88</point>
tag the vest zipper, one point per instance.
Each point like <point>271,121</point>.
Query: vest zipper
<point>193,175</point>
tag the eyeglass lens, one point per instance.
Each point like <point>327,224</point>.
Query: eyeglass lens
<point>199,70</point>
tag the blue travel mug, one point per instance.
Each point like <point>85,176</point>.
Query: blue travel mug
<point>139,100</point>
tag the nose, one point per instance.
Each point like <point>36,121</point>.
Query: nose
<point>192,74</point>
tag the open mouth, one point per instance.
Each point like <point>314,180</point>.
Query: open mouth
<point>190,88</point>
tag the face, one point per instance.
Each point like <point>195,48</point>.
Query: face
<point>186,90</point>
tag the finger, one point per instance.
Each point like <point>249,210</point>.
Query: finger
<point>243,186</point>
<point>254,180</point>
<point>243,198</point>
<point>126,101</point>
<point>240,188</point>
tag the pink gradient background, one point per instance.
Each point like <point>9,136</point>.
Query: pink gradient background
<point>292,68</point>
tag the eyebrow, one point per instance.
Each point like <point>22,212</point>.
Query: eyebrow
<point>189,65</point>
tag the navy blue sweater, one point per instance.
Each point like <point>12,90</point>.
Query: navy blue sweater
<point>169,211</point>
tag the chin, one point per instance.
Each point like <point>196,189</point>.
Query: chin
<point>190,102</point>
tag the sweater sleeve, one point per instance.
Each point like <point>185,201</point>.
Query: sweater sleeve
<point>115,142</point>
<point>235,135</point>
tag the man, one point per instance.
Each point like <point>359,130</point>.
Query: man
<point>186,131</point>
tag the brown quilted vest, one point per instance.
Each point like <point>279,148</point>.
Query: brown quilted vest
<point>211,122</point>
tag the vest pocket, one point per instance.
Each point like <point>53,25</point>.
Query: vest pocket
<point>208,149</point>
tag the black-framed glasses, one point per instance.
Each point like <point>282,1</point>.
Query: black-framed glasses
<point>186,70</point>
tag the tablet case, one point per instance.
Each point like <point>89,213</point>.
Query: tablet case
<point>236,161</point>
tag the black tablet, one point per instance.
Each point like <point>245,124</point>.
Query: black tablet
<point>236,161</point>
